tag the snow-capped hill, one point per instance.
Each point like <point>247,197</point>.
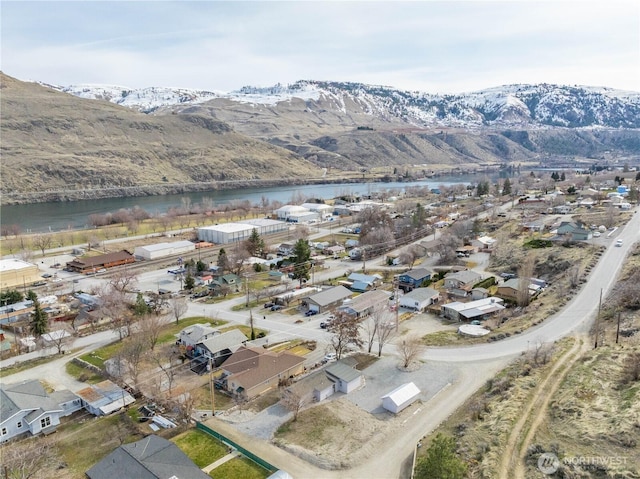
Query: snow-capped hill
<point>503,107</point>
<point>145,100</point>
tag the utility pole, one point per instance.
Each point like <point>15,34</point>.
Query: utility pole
<point>618,328</point>
<point>597,325</point>
<point>397,283</point>
<point>212,388</point>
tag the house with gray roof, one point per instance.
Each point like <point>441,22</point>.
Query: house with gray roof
<point>150,458</point>
<point>27,408</point>
<point>216,349</point>
<point>196,333</point>
<point>461,283</point>
<point>419,299</point>
<point>327,299</point>
<point>364,304</point>
<point>413,278</point>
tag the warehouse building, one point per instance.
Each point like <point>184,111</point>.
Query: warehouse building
<point>233,232</point>
<point>15,272</point>
<point>160,250</point>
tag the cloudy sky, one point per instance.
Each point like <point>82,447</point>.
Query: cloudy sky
<point>433,46</point>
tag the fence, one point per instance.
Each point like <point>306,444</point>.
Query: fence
<point>261,462</point>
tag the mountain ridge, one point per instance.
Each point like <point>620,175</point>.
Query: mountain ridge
<point>531,105</point>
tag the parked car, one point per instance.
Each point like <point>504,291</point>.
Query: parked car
<point>46,275</point>
<point>311,312</point>
<point>329,357</point>
<point>276,307</point>
<point>268,305</point>
<point>619,242</point>
<point>324,324</point>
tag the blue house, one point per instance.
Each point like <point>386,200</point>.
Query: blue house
<point>413,279</point>
<point>364,282</point>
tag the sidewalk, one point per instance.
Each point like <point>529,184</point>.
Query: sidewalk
<point>220,461</point>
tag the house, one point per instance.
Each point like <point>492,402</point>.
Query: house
<point>461,283</point>
<point>473,310</point>
<point>150,458</point>
<point>413,278</point>
<point>92,264</point>
<point>575,230</point>
<point>327,299</point>
<point>365,304</point>
<point>370,280</point>
<point>345,377</point>
<point>27,408</point>
<point>226,282</point>
<point>104,398</point>
<point>219,347</point>
<point>484,243</point>
<point>196,333</point>
<point>419,299</point>
<point>250,372</point>
<point>479,293</point>
<point>510,289</point>
<point>400,398</point>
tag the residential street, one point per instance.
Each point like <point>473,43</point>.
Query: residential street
<point>470,366</point>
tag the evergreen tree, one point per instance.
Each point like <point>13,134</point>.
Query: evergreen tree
<point>419,216</point>
<point>441,461</point>
<point>223,261</point>
<point>201,266</point>
<point>11,296</point>
<point>563,177</point>
<point>141,308</point>
<point>506,187</point>
<point>255,244</point>
<point>302,263</point>
<point>189,282</point>
<point>39,323</point>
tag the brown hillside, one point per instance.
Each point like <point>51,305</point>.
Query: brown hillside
<point>54,141</point>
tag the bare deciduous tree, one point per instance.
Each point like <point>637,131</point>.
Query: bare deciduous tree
<point>178,307</point>
<point>42,242</point>
<point>149,327</point>
<point>114,305</point>
<point>123,280</point>
<point>293,401</point>
<point>131,357</point>
<point>166,364</point>
<point>411,254</point>
<point>345,331</point>
<point>60,335</point>
<point>410,348</point>
<point>35,458</point>
<point>525,273</point>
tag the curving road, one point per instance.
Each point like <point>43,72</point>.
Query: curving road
<point>577,316</point>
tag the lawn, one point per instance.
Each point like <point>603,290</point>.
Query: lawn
<point>170,331</point>
<point>99,356</point>
<point>239,468</point>
<point>82,374</point>
<point>102,434</point>
<point>201,448</point>
<point>246,330</point>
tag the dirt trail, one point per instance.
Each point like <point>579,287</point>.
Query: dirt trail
<point>512,466</point>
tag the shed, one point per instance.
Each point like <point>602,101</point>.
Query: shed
<point>400,398</point>
<point>346,378</point>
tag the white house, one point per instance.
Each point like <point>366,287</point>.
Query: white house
<point>28,408</point>
<point>419,299</point>
<point>400,398</point>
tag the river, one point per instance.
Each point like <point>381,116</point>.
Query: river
<point>44,217</point>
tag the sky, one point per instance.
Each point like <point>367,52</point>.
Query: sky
<point>429,46</point>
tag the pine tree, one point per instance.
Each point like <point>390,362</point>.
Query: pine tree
<point>189,282</point>
<point>506,187</point>
<point>302,264</point>
<point>39,323</point>
<point>223,261</point>
<point>441,461</point>
<point>255,244</point>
